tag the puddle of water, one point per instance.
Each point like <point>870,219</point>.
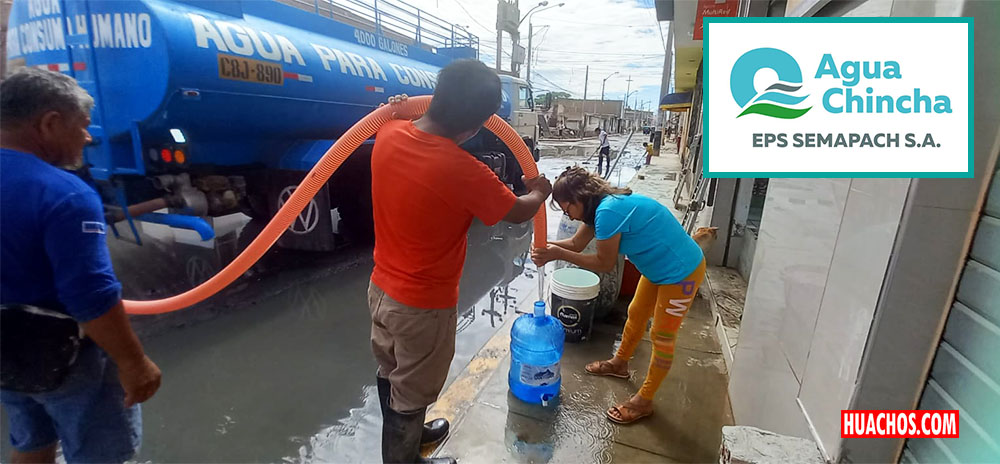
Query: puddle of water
<point>562,156</point>
<point>279,366</point>
<point>555,157</point>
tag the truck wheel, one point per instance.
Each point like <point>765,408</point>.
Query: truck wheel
<point>257,206</point>
<point>313,229</point>
<point>351,193</point>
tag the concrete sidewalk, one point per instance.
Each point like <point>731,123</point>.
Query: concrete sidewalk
<point>691,406</point>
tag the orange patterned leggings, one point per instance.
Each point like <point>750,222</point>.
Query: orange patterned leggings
<point>667,305</point>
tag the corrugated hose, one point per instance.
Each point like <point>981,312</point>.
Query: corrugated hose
<point>314,181</point>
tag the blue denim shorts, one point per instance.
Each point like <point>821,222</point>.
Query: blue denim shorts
<point>87,414</point>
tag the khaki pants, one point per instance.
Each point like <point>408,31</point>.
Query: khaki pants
<point>413,348</point>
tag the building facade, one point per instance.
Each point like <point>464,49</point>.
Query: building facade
<point>582,116</point>
<point>869,293</point>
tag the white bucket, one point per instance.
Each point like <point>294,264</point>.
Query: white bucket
<point>573,298</point>
<point>575,284</point>
<point>610,281</point>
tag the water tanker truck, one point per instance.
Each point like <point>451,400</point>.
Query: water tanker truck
<point>207,108</point>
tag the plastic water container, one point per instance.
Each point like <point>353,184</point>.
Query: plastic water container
<point>536,346</point>
<point>574,292</point>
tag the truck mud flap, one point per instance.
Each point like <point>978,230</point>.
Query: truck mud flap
<point>315,228</point>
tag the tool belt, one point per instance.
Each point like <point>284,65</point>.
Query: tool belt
<point>37,348</point>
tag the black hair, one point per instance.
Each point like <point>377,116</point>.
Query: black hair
<point>577,184</point>
<point>466,94</point>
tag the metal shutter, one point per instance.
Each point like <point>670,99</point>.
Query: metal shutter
<point>965,374</point>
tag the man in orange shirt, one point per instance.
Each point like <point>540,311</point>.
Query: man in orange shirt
<point>426,190</point>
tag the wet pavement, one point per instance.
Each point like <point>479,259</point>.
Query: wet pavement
<point>278,366</point>
<point>691,405</point>
<point>556,155</point>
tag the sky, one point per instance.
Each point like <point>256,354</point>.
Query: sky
<point>607,35</point>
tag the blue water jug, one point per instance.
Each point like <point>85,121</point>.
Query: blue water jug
<point>536,346</point>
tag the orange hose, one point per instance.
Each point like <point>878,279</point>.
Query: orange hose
<point>315,179</point>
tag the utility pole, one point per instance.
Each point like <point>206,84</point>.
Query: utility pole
<point>604,82</point>
<point>531,33</point>
<point>499,47</point>
<point>628,86</point>
<point>586,78</point>
<point>544,5</point>
<point>662,118</point>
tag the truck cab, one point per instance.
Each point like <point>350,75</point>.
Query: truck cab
<point>518,109</point>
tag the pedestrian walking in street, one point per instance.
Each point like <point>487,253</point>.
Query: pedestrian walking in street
<point>73,371</point>
<point>671,264</point>
<point>604,150</point>
<point>649,152</point>
<point>426,191</point>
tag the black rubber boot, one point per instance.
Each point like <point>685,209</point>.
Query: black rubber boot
<point>401,438</point>
<point>434,431</point>
<point>384,388</point>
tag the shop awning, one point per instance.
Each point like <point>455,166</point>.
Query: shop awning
<point>677,102</point>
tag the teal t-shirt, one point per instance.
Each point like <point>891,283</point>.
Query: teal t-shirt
<point>651,237</point>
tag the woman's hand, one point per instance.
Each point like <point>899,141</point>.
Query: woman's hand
<point>543,255</point>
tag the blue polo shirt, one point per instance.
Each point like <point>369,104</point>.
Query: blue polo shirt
<point>53,252</point>
<point>651,237</point>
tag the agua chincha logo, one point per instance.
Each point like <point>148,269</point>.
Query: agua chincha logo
<point>778,100</point>
<point>827,97</point>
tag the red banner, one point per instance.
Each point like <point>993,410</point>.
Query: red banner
<point>899,424</point>
<point>714,8</point>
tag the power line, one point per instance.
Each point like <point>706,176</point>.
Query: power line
<point>652,60</point>
<point>535,53</point>
<point>538,74</point>
<point>578,52</point>
<point>591,24</point>
<point>663,41</point>
<point>599,53</point>
<point>473,18</point>
<point>549,81</point>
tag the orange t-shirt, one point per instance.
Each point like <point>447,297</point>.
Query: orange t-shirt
<point>425,192</point>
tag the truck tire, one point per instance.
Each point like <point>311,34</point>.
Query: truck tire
<point>351,193</point>
<point>531,147</point>
<point>313,230</point>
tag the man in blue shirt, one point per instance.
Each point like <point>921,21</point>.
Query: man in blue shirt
<point>53,255</point>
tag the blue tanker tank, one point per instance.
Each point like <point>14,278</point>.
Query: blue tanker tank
<point>215,107</point>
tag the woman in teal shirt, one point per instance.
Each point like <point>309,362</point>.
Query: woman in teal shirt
<point>671,264</point>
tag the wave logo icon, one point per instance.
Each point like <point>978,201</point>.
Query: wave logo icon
<point>780,98</point>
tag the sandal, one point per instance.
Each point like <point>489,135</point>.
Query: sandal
<point>604,368</point>
<point>626,418</point>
